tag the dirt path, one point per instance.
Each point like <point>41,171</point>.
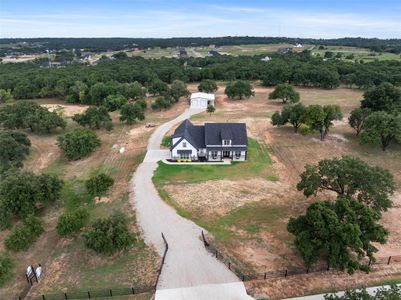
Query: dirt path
<point>188,264</point>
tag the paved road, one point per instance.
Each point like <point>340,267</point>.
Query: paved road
<point>188,264</point>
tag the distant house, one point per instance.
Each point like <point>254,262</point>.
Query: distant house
<point>183,53</point>
<point>202,100</point>
<point>298,45</point>
<point>284,50</point>
<point>266,58</point>
<point>214,53</point>
<point>209,142</point>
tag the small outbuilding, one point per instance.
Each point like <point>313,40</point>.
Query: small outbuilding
<point>202,100</point>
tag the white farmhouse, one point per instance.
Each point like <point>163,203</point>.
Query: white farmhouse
<point>209,142</point>
<point>201,100</point>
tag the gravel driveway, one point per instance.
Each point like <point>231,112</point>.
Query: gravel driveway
<point>188,264</point>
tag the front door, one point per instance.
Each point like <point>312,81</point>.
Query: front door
<point>226,153</point>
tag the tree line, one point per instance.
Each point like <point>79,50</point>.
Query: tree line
<point>35,45</point>
<point>78,83</point>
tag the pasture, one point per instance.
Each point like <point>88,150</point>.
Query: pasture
<point>246,214</point>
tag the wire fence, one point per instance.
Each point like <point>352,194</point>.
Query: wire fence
<point>289,271</point>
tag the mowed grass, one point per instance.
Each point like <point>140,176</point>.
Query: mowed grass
<point>249,218</point>
<point>257,165</point>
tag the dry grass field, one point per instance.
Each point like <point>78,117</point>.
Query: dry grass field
<point>67,263</point>
<point>247,215</point>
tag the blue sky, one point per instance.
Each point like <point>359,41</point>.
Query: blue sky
<point>162,18</point>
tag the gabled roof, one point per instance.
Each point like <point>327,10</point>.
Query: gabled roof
<point>195,135</point>
<point>216,132</point>
<point>203,95</point>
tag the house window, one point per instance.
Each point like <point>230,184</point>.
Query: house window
<point>226,142</point>
<point>237,154</point>
<point>185,156</point>
<point>214,154</point>
<point>184,144</point>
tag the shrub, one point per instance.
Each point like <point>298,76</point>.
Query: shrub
<point>24,236</point>
<point>109,235</point>
<point>78,143</point>
<point>71,222</point>
<point>6,267</point>
<point>98,184</point>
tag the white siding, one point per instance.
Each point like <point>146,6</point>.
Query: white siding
<point>241,158</point>
<point>174,152</point>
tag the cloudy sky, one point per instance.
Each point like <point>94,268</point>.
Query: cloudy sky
<point>207,18</point>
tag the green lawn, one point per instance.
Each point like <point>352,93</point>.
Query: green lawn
<point>249,218</point>
<point>258,164</point>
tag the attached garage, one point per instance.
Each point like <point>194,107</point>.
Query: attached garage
<point>201,100</point>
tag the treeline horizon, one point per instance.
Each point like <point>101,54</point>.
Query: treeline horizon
<point>116,43</point>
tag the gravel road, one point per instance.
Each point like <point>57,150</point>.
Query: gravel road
<point>188,264</point>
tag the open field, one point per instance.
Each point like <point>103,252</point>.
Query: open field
<point>246,214</point>
<point>358,53</point>
<point>67,263</point>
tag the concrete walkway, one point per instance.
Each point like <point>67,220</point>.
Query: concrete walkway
<point>190,272</point>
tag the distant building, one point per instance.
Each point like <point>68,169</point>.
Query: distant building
<point>182,53</point>
<point>202,100</point>
<point>284,50</point>
<point>297,45</point>
<point>213,53</point>
<point>266,58</point>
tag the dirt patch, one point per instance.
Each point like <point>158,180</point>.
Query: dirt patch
<point>222,196</point>
<point>66,110</point>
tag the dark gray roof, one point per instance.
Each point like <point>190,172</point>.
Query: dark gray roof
<point>195,135</point>
<point>212,134</point>
<point>215,132</point>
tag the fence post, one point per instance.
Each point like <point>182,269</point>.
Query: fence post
<point>204,240</point>
<point>328,266</point>
<point>286,273</point>
<point>216,253</point>
<point>89,295</point>
<point>229,265</point>
<point>111,293</point>
<point>133,291</point>
<point>370,261</point>
<point>307,270</point>
<point>65,296</point>
<point>389,259</point>
<point>243,277</point>
<point>265,276</point>
<point>43,297</point>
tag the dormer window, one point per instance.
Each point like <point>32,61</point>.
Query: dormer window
<point>226,142</point>
<point>184,144</point>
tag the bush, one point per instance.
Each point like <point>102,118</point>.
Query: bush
<point>24,236</point>
<point>110,235</point>
<point>162,102</point>
<point>69,223</point>
<point>78,143</point>
<point>6,267</point>
<point>98,184</point>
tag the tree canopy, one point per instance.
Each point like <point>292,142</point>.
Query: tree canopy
<point>357,119</point>
<point>350,177</point>
<point>28,114</point>
<point>392,293</point>
<point>384,97</point>
<point>95,118</point>
<point>109,235</point>
<point>14,147</point>
<point>320,118</point>
<point>293,114</point>
<point>21,192</point>
<point>341,232</point>
<point>207,86</point>
<point>98,184</point>
<point>285,92</point>
<point>240,89</point>
<point>381,128</point>
<point>7,266</point>
<point>131,112</point>
<point>178,89</point>
<point>78,143</point>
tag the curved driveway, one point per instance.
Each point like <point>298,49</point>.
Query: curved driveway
<point>187,264</point>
